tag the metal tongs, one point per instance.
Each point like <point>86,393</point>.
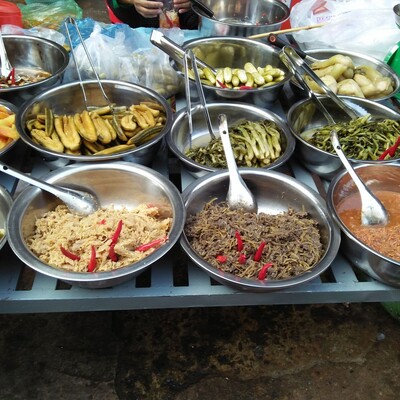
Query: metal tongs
<point>189,54</point>
<point>6,69</point>
<point>81,82</point>
<point>296,64</point>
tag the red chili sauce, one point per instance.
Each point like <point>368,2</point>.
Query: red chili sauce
<point>383,239</point>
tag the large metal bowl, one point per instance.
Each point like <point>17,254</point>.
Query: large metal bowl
<point>358,60</point>
<point>11,108</point>
<point>36,53</point>
<point>5,205</point>
<point>241,18</point>
<point>234,52</point>
<point>118,184</point>
<point>376,177</point>
<point>303,116</point>
<point>178,137</point>
<point>274,192</point>
<point>69,99</point>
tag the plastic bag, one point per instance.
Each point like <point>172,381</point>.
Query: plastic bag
<point>122,53</point>
<point>370,31</point>
<point>50,14</point>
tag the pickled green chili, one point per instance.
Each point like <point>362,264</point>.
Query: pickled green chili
<point>254,144</point>
<point>361,138</point>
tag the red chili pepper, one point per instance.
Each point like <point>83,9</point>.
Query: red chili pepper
<point>69,254</point>
<point>169,20</point>
<point>117,232</point>
<point>102,222</point>
<point>92,261</point>
<point>391,151</point>
<point>239,241</point>
<point>221,259</point>
<point>263,271</point>
<point>112,255</point>
<point>245,87</point>
<point>221,84</point>
<point>11,76</point>
<point>153,243</point>
<point>258,253</point>
<point>242,258</point>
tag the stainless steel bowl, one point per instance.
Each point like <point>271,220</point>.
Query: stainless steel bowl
<point>376,177</point>
<point>31,52</point>
<point>241,18</point>
<point>234,52</point>
<point>118,184</point>
<point>68,99</point>
<point>396,10</point>
<point>274,192</point>
<point>358,59</point>
<point>303,116</point>
<point>11,108</point>
<point>178,137</point>
<point>5,205</point>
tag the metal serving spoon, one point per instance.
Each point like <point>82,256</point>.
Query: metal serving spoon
<point>239,195</point>
<point>6,67</point>
<point>372,210</point>
<point>77,201</point>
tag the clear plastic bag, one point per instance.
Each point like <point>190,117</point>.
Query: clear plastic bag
<point>122,53</point>
<point>352,26</point>
<point>50,14</point>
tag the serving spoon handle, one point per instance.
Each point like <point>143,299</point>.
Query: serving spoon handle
<point>77,201</point>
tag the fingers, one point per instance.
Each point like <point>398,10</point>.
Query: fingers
<point>148,8</point>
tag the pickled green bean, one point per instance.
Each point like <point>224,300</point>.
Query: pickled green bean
<point>361,138</point>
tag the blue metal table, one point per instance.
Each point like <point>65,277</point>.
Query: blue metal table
<point>173,282</point>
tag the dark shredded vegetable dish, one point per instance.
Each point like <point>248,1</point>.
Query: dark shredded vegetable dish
<point>256,246</point>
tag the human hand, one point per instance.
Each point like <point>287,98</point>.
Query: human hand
<point>148,8</point>
<point>182,5</point>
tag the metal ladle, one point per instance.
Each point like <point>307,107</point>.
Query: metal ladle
<point>372,210</point>
<point>78,201</point>
<point>239,195</point>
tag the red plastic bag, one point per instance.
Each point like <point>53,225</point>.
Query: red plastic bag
<point>10,14</point>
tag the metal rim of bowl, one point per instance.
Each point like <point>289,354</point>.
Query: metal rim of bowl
<point>21,203</point>
<point>335,216</point>
<point>51,43</point>
<point>93,158</point>
<point>291,143</point>
<point>350,99</point>
<point>253,284</point>
<point>5,195</point>
<point>272,50</point>
<point>382,64</point>
<point>278,3</point>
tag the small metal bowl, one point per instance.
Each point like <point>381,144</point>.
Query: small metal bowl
<point>376,177</point>
<point>68,99</point>
<point>234,52</point>
<point>33,53</point>
<point>178,137</point>
<point>116,183</point>
<point>238,18</point>
<point>358,60</point>
<point>5,205</point>
<point>274,192</point>
<point>303,116</point>
<point>396,10</point>
<point>11,108</point>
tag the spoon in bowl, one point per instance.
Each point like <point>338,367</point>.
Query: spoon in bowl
<point>239,196</point>
<point>6,69</point>
<point>372,210</point>
<point>78,201</point>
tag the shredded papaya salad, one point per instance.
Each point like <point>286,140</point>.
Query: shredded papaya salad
<point>108,239</point>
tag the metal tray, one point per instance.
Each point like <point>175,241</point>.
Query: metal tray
<point>173,282</point>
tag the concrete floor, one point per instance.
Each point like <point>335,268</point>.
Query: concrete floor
<point>346,351</point>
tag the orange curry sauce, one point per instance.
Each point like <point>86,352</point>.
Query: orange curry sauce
<point>383,239</point>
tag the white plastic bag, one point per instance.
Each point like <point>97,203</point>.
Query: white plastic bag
<point>370,29</point>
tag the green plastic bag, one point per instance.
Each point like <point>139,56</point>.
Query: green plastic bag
<point>50,14</point>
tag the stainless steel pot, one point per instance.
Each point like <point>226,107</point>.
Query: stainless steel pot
<point>241,18</point>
